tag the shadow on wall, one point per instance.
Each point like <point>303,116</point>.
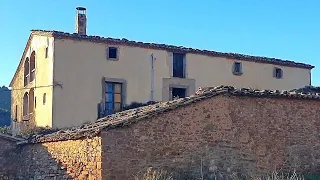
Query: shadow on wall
<point>56,160</point>
<point>28,162</point>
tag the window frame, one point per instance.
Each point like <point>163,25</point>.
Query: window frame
<point>172,89</point>
<point>46,52</point>
<point>275,73</point>
<point>108,53</point>
<point>175,66</point>
<point>113,102</point>
<point>44,99</point>
<point>240,72</point>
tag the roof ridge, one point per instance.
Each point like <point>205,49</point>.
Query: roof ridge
<point>124,41</point>
<point>133,115</point>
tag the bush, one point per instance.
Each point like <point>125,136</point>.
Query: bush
<point>5,130</point>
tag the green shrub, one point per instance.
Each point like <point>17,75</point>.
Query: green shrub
<point>5,130</point>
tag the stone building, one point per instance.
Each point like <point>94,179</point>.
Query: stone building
<point>219,131</point>
<point>63,73</point>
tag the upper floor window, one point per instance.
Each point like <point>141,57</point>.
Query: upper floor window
<point>46,52</point>
<point>277,73</point>
<point>29,69</point>
<point>26,71</point>
<point>179,65</point>
<point>32,66</point>
<point>112,53</point>
<point>237,68</point>
<point>44,99</point>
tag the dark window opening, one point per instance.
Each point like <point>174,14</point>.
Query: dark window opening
<point>178,65</point>
<point>278,73</point>
<point>112,53</point>
<point>113,102</point>
<point>46,53</point>
<point>237,68</point>
<point>44,99</point>
<point>16,113</point>
<point>178,93</point>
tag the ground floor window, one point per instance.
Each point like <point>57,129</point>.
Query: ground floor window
<point>178,93</point>
<point>113,102</point>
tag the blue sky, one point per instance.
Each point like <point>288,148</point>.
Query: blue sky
<point>284,29</point>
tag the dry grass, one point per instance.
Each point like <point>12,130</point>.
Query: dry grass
<point>281,176</point>
<point>153,174</point>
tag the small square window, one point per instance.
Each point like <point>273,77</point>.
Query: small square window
<point>237,68</point>
<point>278,73</point>
<point>112,53</point>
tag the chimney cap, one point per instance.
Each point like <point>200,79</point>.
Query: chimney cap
<point>81,8</point>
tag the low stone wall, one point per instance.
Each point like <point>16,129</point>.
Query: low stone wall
<point>7,156</point>
<point>223,137</point>
<point>79,159</point>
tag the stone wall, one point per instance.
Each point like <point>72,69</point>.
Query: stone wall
<point>7,156</point>
<point>80,159</point>
<point>221,136</point>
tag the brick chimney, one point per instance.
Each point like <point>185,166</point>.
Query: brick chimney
<point>81,21</point>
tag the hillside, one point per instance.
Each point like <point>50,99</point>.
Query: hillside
<point>5,106</point>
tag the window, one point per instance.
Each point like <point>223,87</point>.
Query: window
<point>31,100</point>
<point>46,53</point>
<point>26,71</point>
<point>178,65</point>
<point>237,68</point>
<point>112,53</point>
<point>32,66</point>
<point>16,113</point>
<point>44,99</point>
<point>35,102</point>
<point>113,97</point>
<point>25,104</point>
<point>178,93</point>
<point>277,73</point>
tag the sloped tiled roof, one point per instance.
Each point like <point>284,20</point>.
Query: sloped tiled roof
<point>131,116</point>
<point>308,89</point>
<point>11,138</point>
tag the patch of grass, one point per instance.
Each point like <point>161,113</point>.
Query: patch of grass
<point>282,176</point>
<point>153,174</point>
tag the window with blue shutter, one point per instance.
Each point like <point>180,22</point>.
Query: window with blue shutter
<point>113,98</point>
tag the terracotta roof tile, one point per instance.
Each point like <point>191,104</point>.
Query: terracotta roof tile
<point>133,115</point>
<point>123,41</point>
<point>308,89</point>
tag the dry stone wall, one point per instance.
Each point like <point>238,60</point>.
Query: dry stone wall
<point>7,156</point>
<point>79,159</point>
<point>224,137</point>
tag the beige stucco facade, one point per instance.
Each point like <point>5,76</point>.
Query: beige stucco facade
<point>40,114</point>
<point>81,67</point>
